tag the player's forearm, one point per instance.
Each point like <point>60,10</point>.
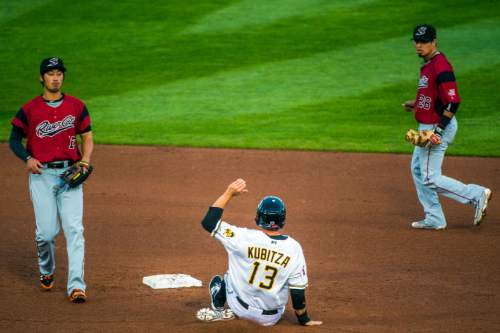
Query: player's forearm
<point>222,201</point>
<point>298,297</point>
<point>16,145</point>
<point>448,115</point>
<point>87,146</point>
<point>302,316</point>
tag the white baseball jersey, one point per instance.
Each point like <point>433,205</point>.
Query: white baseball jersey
<point>262,268</point>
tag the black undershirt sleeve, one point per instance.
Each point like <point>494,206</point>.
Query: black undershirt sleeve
<point>451,107</point>
<point>87,129</point>
<point>16,143</point>
<point>210,220</point>
<point>298,297</point>
<point>446,76</point>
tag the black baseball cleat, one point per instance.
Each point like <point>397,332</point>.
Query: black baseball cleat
<point>217,290</point>
<point>46,282</point>
<point>78,296</point>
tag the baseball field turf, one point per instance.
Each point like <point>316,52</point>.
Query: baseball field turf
<point>288,74</point>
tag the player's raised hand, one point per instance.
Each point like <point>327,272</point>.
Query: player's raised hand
<point>237,187</point>
<point>313,323</point>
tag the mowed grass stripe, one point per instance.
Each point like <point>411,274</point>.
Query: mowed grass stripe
<point>11,9</point>
<point>127,48</point>
<point>370,122</point>
<point>274,87</point>
<point>134,45</point>
<point>380,122</point>
<point>251,13</point>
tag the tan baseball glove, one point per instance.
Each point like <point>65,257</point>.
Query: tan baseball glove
<point>419,138</point>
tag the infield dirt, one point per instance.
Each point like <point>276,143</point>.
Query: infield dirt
<point>368,270</point>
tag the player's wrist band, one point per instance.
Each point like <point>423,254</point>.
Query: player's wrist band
<point>439,130</point>
<point>303,318</point>
<point>444,122</point>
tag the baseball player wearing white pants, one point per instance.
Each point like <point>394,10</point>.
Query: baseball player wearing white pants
<point>264,265</point>
<point>68,205</point>
<point>434,108</point>
<point>51,123</point>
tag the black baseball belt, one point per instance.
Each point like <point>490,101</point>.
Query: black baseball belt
<point>264,312</point>
<point>58,164</point>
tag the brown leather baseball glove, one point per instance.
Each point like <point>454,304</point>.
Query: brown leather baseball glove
<point>419,138</point>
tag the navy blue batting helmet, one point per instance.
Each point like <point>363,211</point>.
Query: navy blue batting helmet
<point>271,213</point>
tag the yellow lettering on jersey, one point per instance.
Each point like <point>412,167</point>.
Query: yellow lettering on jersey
<point>285,262</point>
<point>267,255</point>
<point>263,254</point>
<point>278,260</point>
<point>250,252</point>
<point>272,258</point>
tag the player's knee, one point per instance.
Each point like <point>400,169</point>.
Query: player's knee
<point>430,183</point>
<point>73,232</point>
<point>46,236</point>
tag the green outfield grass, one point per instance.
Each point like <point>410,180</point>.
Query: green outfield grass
<point>287,74</point>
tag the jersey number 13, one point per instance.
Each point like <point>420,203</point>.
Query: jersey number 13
<point>269,278</point>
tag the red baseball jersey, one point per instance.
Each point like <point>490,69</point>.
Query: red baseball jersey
<point>51,131</point>
<point>436,89</point>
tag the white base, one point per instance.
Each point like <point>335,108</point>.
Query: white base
<point>164,281</point>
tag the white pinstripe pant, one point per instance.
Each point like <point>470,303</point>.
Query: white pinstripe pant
<point>50,209</point>
<point>429,182</point>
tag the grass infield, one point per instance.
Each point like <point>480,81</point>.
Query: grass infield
<point>288,74</point>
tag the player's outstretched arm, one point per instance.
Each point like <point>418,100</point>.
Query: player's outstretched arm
<point>305,320</point>
<point>299,305</point>
<point>214,213</point>
<point>235,188</point>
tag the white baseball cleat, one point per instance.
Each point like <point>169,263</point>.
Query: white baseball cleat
<point>209,315</point>
<point>422,225</point>
<point>481,206</point>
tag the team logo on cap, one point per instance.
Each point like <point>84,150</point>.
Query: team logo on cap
<point>48,129</point>
<point>421,31</point>
<point>53,62</point>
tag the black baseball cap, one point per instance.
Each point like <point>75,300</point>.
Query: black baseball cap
<point>51,63</point>
<point>424,33</point>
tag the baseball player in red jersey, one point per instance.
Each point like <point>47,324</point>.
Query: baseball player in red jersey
<point>264,265</point>
<point>51,123</point>
<point>434,108</point>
